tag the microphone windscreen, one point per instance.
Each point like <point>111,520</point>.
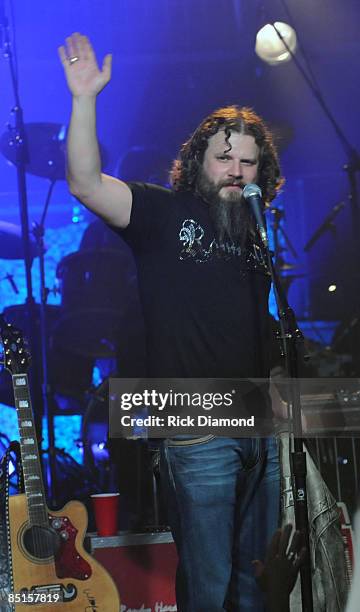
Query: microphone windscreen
<point>250,190</point>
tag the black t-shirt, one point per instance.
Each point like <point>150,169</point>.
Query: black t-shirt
<point>205,305</point>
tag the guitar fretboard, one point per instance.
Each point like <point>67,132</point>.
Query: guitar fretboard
<point>33,481</point>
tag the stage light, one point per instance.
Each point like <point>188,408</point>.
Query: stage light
<point>269,45</point>
<point>332,288</point>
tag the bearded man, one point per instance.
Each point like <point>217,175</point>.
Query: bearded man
<point>204,285</point>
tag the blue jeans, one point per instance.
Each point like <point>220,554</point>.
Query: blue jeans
<point>223,501</point>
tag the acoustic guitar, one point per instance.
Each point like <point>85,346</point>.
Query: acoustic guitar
<point>50,569</point>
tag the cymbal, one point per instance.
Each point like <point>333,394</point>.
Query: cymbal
<point>44,149</point>
<point>11,243</point>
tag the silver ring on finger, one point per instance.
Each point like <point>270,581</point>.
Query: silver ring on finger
<point>73,59</point>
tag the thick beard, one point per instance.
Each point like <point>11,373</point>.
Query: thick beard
<point>230,216</point>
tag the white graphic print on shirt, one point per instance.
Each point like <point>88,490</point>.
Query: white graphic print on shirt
<point>192,236</point>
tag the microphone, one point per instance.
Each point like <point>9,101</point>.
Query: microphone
<point>252,194</point>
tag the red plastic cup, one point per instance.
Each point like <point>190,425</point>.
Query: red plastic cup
<point>106,506</point>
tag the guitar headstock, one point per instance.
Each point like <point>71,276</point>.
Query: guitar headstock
<point>16,355</point>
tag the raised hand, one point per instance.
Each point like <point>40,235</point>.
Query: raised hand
<point>83,75</point>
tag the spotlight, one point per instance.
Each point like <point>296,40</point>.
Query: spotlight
<point>332,288</point>
<point>270,46</point>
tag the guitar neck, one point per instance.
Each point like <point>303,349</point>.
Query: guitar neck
<point>33,481</point>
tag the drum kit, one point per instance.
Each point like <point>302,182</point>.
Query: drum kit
<point>96,286</point>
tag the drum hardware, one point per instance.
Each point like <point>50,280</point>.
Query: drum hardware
<point>75,481</point>
<point>37,148</point>
<point>281,266</point>
<point>45,149</point>
<point>96,293</point>
<point>70,382</point>
<point>41,389</point>
<point>95,439</point>
<point>135,462</point>
<point>10,279</point>
<point>11,242</point>
<point>20,148</point>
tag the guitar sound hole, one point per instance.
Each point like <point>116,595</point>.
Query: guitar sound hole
<point>41,542</point>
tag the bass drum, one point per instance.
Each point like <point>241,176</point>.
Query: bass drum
<point>68,374</point>
<point>96,288</point>
<point>20,316</point>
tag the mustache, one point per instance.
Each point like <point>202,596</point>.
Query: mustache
<point>231,184</point>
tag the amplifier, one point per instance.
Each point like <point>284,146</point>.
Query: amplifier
<point>335,413</point>
<point>143,566</point>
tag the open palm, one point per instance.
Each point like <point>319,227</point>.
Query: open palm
<point>84,77</point>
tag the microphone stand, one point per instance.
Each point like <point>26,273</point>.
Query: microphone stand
<point>292,347</point>
<point>327,225</point>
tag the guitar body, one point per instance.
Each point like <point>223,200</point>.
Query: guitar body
<point>83,583</point>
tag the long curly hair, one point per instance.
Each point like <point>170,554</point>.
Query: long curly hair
<point>185,169</point>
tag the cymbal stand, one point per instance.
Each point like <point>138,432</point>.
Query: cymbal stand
<point>39,385</point>
<point>17,137</point>
<point>39,232</point>
<point>352,165</point>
